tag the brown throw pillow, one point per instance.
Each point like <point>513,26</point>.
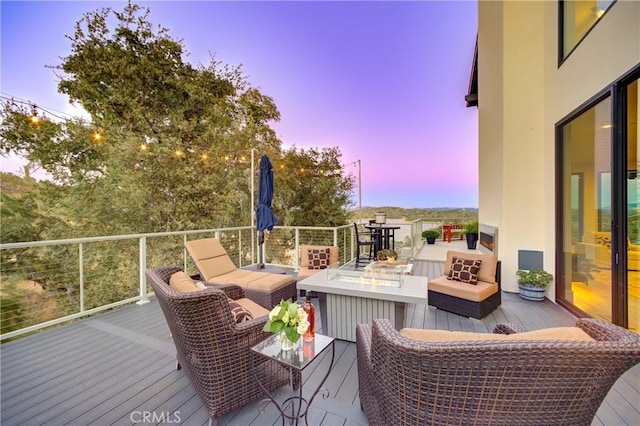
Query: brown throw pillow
<point>465,270</point>
<point>318,258</point>
<point>239,313</point>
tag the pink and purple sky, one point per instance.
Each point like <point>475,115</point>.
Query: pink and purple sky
<point>383,81</point>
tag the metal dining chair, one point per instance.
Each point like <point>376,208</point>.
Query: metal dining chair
<point>367,242</point>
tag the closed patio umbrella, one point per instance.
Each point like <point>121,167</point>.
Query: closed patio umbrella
<point>265,219</point>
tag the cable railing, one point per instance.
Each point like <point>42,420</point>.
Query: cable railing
<point>45,283</point>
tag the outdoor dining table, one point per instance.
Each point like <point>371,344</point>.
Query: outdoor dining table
<point>385,235</point>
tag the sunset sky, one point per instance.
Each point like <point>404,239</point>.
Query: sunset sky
<point>383,81</point>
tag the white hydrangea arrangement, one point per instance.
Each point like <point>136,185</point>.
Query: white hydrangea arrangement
<point>290,318</point>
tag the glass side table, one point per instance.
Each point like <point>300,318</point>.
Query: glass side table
<point>295,360</point>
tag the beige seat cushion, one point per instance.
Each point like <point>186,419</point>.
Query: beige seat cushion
<point>253,280</point>
<point>269,282</point>
<point>555,333</point>
<point>487,271</point>
<point>182,282</point>
<point>240,277</point>
<point>306,273</point>
<point>251,306</point>
<point>473,292</point>
<point>210,257</point>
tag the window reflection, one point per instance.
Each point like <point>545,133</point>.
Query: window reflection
<point>587,212</point>
<point>579,17</point>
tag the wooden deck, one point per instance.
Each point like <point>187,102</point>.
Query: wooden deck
<point>118,367</point>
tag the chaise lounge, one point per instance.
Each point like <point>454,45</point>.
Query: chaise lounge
<point>557,376</point>
<point>216,267</point>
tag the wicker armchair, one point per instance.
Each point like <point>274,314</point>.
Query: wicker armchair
<point>213,350</point>
<point>404,381</point>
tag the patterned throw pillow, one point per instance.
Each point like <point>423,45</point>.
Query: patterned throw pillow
<point>318,258</point>
<point>603,240</point>
<point>239,313</point>
<point>465,270</point>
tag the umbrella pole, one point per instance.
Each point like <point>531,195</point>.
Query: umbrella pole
<point>260,247</point>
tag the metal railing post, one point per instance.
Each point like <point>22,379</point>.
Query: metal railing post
<point>143,267</point>
<point>185,255</point>
<point>240,257</point>
<point>296,262</point>
<point>81,275</point>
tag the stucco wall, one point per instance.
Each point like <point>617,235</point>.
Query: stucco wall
<point>522,95</point>
<point>490,119</point>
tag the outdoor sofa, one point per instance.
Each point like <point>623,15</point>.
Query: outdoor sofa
<point>463,298</point>
<point>557,376</point>
<point>315,258</point>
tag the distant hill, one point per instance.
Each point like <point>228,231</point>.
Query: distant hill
<point>14,185</point>
<point>439,213</point>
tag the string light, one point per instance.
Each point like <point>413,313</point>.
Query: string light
<point>34,115</point>
<point>97,136</point>
<point>50,111</point>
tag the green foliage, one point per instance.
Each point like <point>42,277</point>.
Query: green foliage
<point>633,224</point>
<point>11,314</point>
<point>386,254</point>
<point>534,278</point>
<point>448,215</point>
<point>471,227</point>
<point>430,233</point>
<point>310,188</point>
<point>289,317</point>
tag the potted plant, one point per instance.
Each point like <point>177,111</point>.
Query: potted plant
<point>430,235</point>
<point>380,217</point>
<point>386,254</point>
<point>471,231</point>
<point>533,283</point>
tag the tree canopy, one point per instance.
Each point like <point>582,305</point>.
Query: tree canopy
<point>168,144</point>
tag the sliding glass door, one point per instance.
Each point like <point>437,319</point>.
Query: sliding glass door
<point>586,221</point>
<point>633,205</point>
<point>598,222</point>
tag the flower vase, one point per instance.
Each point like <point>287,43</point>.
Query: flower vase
<point>285,343</point>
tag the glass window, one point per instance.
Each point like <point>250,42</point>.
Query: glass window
<point>578,17</point>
